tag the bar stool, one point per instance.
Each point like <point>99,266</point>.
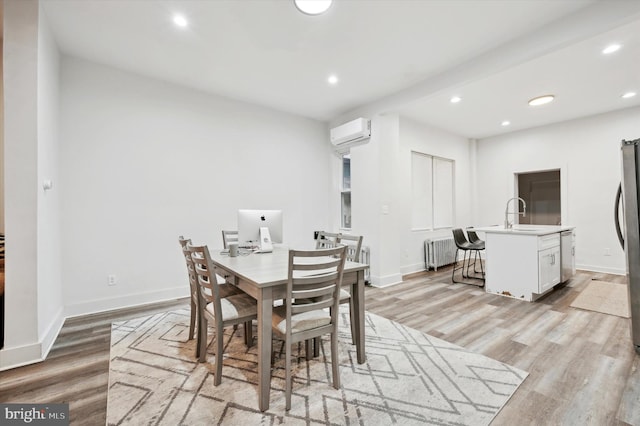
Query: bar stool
<point>463,244</point>
<point>479,246</point>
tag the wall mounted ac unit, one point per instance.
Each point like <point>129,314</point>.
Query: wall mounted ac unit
<point>351,132</point>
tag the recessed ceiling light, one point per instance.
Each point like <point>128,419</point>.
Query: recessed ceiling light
<point>541,100</point>
<point>629,95</point>
<point>611,48</point>
<point>180,21</point>
<point>333,79</point>
<point>312,7</point>
<point>505,123</point>
<point>455,99</point>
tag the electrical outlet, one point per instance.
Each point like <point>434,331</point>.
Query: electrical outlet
<point>607,251</point>
<point>111,279</point>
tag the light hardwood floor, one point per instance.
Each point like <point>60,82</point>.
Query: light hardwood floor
<point>582,366</point>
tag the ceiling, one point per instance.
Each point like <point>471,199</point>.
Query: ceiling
<point>405,56</point>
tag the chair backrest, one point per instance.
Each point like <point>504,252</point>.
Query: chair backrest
<point>203,271</point>
<point>314,281</point>
<point>460,239</point>
<point>193,282</point>
<point>354,245</point>
<point>229,237</point>
<point>326,240</point>
<point>473,237</point>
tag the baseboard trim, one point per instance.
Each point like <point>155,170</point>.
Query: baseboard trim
<point>386,281</point>
<point>413,268</point>
<point>51,334</point>
<point>123,302</point>
<point>37,352</point>
<point>20,356</point>
<point>602,269</point>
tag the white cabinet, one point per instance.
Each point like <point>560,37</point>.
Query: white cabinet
<point>548,262</point>
<point>568,254</point>
<point>548,268</point>
<point>522,264</point>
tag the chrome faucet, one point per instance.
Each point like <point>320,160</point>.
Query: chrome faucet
<point>508,225</point>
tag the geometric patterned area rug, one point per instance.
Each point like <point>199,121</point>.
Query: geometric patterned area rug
<point>409,378</point>
<point>604,297</point>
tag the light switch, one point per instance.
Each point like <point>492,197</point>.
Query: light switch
<point>385,209</point>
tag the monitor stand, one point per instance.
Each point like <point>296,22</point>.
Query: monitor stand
<point>266,246</point>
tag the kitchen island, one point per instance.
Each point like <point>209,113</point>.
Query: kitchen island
<point>527,261</point>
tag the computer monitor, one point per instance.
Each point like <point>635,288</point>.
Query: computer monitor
<point>250,222</point>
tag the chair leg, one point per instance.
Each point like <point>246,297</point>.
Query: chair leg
<point>248,333</point>
<point>469,264</point>
<point>198,339</point>
<point>465,261</point>
<point>335,362</point>
<point>192,320</point>
<point>475,257</point>
<point>308,349</point>
<point>316,347</point>
<point>455,266</point>
<point>287,367</point>
<point>219,342</point>
<point>352,319</point>
<point>202,339</point>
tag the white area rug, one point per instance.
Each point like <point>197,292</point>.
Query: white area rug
<point>409,378</point>
<point>605,297</point>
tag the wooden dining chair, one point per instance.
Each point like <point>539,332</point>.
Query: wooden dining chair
<point>224,289</point>
<point>193,289</point>
<point>221,311</point>
<point>326,239</point>
<point>311,304</point>
<point>229,237</point>
<point>353,244</point>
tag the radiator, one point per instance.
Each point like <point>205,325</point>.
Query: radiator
<point>365,257</point>
<point>439,252</point>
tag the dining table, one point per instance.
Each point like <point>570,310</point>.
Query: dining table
<point>264,277</point>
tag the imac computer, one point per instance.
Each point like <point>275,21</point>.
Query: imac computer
<point>259,228</point>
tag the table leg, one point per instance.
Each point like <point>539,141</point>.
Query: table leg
<point>357,292</point>
<point>265,310</point>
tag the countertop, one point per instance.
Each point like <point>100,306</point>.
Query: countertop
<point>535,230</point>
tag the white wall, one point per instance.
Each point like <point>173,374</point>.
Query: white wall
<point>374,204</point>
<point>419,137</point>
<point>588,153</point>
<point>381,192</point>
<point>33,303</point>
<point>50,304</point>
<point>143,161</point>
<point>20,159</point>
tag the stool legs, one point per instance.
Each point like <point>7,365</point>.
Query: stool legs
<point>455,265</point>
<point>467,263</point>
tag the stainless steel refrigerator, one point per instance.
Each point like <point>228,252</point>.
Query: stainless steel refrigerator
<point>627,200</point>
